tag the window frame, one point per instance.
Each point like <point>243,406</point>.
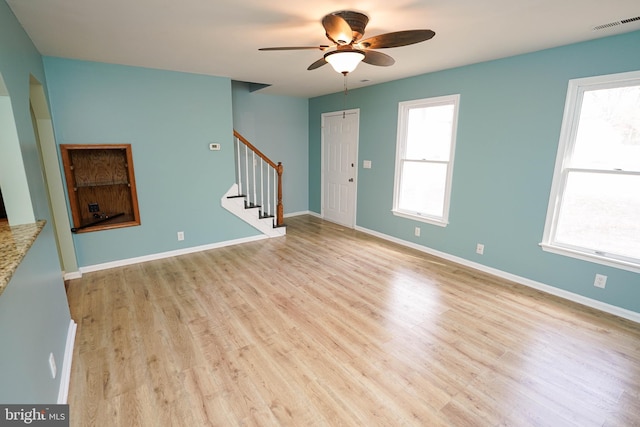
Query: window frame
<point>570,121</point>
<point>401,144</point>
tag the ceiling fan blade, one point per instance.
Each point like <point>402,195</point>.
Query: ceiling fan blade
<point>321,47</point>
<point>397,39</point>
<point>337,29</point>
<point>378,58</point>
<point>319,63</point>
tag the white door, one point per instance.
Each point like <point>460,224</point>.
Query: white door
<point>339,166</point>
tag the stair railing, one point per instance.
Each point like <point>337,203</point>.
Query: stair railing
<point>256,175</point>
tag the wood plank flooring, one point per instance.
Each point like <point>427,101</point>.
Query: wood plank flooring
<point>331,327</point>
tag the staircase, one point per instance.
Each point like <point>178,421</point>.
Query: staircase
<point>256,196</point>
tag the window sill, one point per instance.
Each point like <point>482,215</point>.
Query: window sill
<point>420,218</point>
<point>584,256</point>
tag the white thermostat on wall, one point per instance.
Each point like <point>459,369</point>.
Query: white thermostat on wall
<point>214,146</point>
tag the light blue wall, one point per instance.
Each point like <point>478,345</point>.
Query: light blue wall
<point>19,59</point>
<point>34,316</point>
<point>34,320</point>
<point>279,127</point>
<point>169,118</point>
<point>509,125</point>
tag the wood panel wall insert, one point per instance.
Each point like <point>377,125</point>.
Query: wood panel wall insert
<point>101,186</point>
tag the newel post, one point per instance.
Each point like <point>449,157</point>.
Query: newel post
<point>280,207</point>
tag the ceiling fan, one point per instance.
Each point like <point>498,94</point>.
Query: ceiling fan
<point>345,30</point>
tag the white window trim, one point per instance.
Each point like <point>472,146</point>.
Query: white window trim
<point>403,109</point>
<point>568,131</point>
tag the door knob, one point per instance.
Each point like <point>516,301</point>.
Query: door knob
<point>350,179</point>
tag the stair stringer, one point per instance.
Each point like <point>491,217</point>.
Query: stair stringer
<point>251,216</point>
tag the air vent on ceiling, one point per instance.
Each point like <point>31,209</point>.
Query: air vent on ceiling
<point>616,23</point>
<point>626,21</point>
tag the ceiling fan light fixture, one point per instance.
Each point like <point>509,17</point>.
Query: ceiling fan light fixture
<point>344,62</point>
<point>345,30</point>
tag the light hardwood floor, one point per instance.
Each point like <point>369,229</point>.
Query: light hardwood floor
<point>331,327</point>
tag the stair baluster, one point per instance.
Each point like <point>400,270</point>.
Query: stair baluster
<point>238,169</point>
<point>268,190</point>
<point>254,165</point>
<point>246,169</point>
<point>248,181</point>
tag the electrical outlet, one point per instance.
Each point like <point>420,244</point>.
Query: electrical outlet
<point>480,249</point>
<point>600,281</point>
<point>180,235</point>
<point>94,207</point>
<point>214,146</point>
<point>52,366</point>
<point>417,231</point>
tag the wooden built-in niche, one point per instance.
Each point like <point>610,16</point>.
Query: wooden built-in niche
<point>101,186</point>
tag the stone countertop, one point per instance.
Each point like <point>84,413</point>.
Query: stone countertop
<point>14,243</point>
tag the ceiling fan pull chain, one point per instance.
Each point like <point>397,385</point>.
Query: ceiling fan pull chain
<point>344,99</point>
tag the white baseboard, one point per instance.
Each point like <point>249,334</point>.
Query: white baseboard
<point>169,254</point>
<point>65,372</point>
<point>136,260</point>
<point>72,275</point>
<point>292,214</point>
<point>589,302</point>
<point>317,215</point>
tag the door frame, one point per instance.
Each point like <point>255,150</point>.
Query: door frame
<point>52,176</point>
<point>355,111</point>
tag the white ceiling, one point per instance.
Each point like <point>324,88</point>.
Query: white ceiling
<point>222,37</point>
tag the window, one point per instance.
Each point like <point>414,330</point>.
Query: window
<point>424,158</point>
<point>594,208</point>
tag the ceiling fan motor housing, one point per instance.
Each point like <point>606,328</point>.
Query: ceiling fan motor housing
<point>356,20</point>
